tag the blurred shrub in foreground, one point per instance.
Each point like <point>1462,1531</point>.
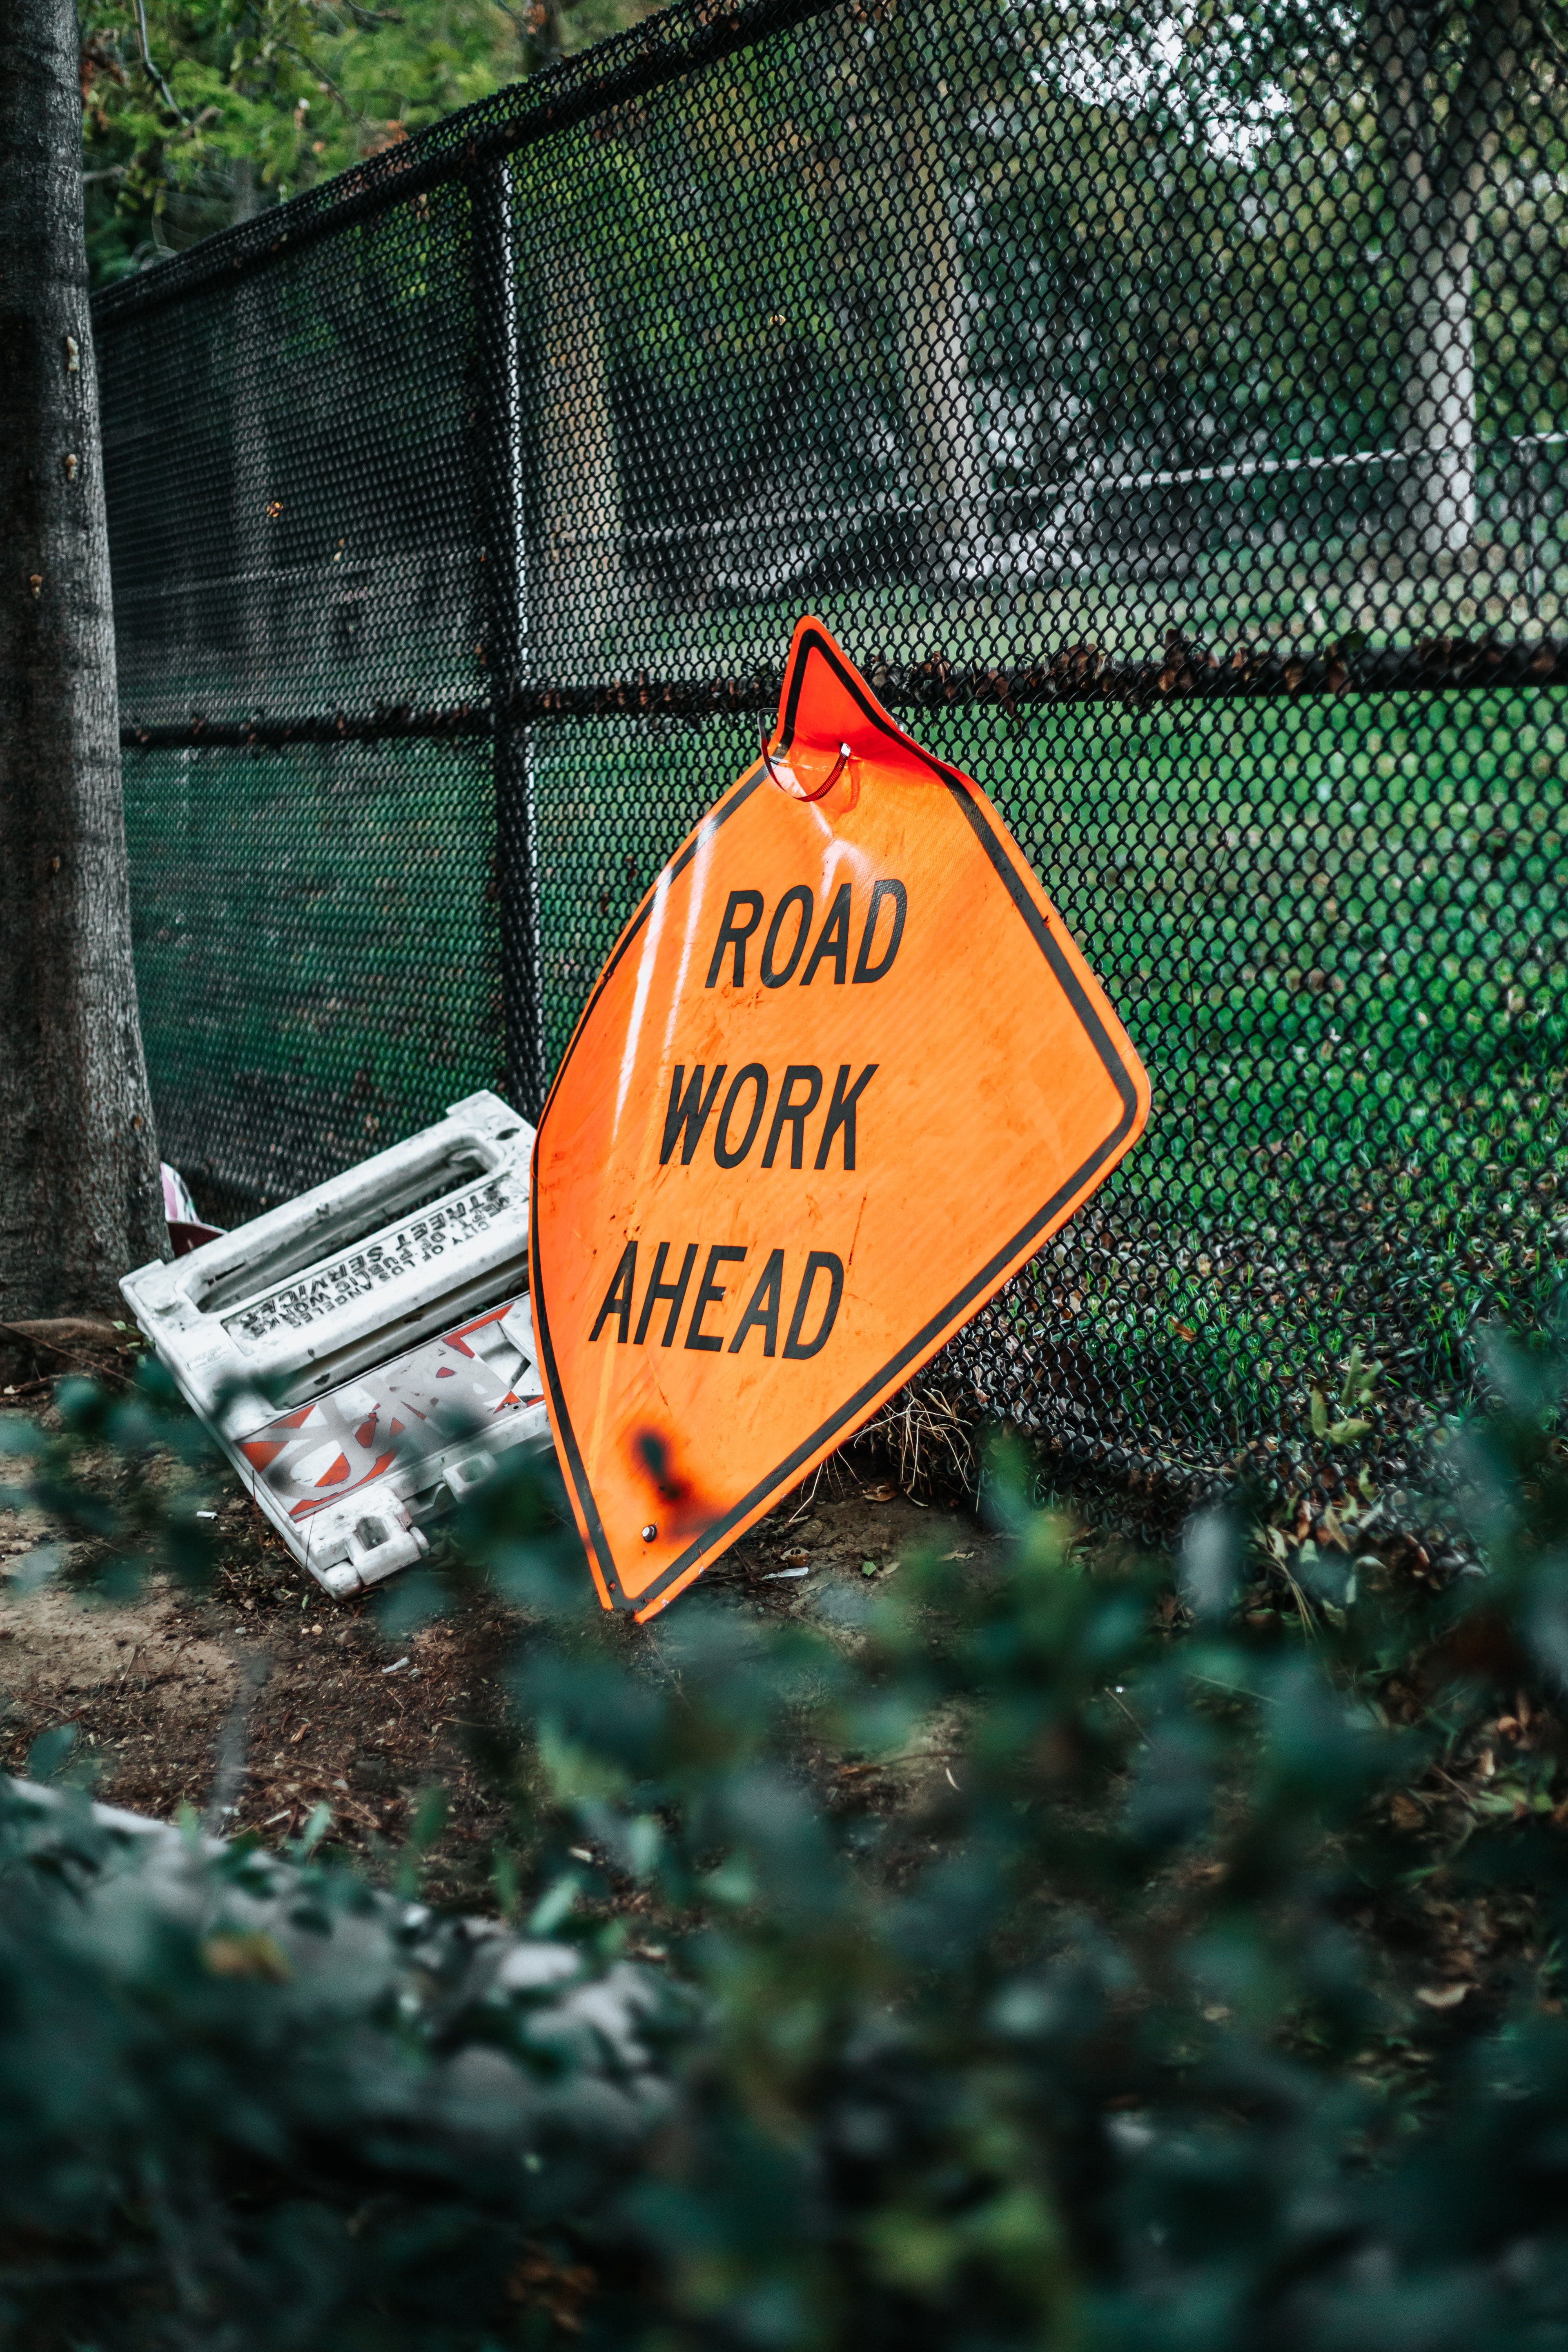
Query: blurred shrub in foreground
<point>1066,1958</point>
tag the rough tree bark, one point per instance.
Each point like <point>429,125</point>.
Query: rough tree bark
<point>905,202</point>
<point>1436,130</point>
<point>578,584</point>
<point>79,1198</point>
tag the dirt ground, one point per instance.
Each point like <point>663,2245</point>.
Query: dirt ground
<point>263,1697</point>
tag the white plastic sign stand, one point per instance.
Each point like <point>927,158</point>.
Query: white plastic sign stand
<point>365,1353</point>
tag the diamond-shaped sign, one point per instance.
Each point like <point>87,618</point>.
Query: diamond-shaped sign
<point>842,1074</point>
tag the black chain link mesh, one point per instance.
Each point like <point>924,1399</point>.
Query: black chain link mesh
<point>1170,413</point>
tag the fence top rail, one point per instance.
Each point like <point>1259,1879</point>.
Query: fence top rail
<point>1077,674</point>
<point>646,57</point>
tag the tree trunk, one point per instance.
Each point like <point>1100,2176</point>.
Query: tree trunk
<point>933,320</point>
<point>79,1198</point>
<point>1432,166</point>
<point>905,200</point>
<point>578,578</point>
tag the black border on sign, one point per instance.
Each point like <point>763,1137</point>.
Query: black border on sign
<point>940,1326</point>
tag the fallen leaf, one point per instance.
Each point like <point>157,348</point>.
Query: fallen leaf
<point>1183,1331</point>
<point>1507,1802</point>
<point>247,1956</point>
<point>1406,1812</point>
<point>882,1494</point>
<point>1442,1996</point>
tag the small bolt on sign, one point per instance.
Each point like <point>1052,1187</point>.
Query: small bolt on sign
<point>843,1074</point>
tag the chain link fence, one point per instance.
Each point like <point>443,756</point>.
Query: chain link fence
<point>1170,413</point>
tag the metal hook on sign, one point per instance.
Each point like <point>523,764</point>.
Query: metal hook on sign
<point>822,789</point>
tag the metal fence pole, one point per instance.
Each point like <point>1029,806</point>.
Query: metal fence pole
<point>503,523</point>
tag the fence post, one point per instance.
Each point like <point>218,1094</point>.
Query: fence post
<point>503,526</point>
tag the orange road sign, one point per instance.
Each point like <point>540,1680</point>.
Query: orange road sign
<point>843,1074</point>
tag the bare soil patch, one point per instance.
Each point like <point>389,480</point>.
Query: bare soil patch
<point>262,1698</point>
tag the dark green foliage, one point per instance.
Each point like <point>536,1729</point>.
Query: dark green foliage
<point>197,113</point>
<point>1044,1967</point>
<point>242,2103</point>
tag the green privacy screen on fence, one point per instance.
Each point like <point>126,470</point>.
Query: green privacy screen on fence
<point>1168,412</point>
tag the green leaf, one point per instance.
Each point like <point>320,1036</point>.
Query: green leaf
<point>554,1904</point>
<point>36,1567</point>
<point>1319,1414</point>
<point>49,1752</point>
<point>315,1829</point>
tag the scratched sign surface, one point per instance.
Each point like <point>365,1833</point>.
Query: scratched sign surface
<point>842,1074</point>
<point>448,1388</point>
<point>380,1265</point>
